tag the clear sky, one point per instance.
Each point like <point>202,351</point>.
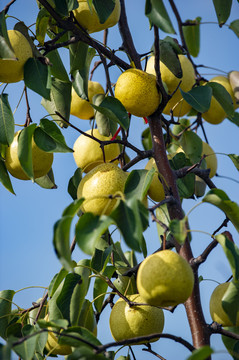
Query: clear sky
<point>27,256</point>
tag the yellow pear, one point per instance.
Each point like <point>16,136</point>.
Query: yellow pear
<point>127,322</point>
<point>156,190</point>
<point>13,70</point>
<point>82,108</point>
<point>216,114</point>
<point>101,188</point>
<point>179,106</point>
<point>216,310</point>
<point>89,19</point>
<point>165,279</point>
<point>88,153</point>
<point>41,160</point>
<point>137,91</point>
<point>52,346</point>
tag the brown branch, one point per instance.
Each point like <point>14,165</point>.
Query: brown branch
<point>216,328</point>
<point>128,44</point>
<point>8,6</point>
<point>28,116</point>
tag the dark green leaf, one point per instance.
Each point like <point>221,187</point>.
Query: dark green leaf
<point>192,36</point>
<point>169,57</point>
<point>104,8</point>
<point>235,27</point>
<point>57,68</point>
<point>230,301</point>
<point>63,7</point>
<point>186,186</point>
<point>25,149</point>
<point>220,199</point>
<point>100,259</point>
<point>42,25</point>
<point>232,253</point>
<point>138,183</point>
<point>5,351</point>
<point>199,97</point>
<point>49,138</point>
<point>201,354</point>
<point>100,287</point>
<point>26,349</point>
<point>60,101</point>
<point>223,97</point>
<point>192,146</point>
<point>235,159</point>
<point>74,183</point>
<point>114,110</point>
<point>235,118</point>
<point>4,177</point>
<point>61,241</point>
<point>146,139</point>
<point>47,181</point>
<point>157,14</point>
<point>6,51</point>
<point>232,345</point>
<point>6,297</point>
<point>37,77</point>
<point>178,230</point>
<point>105,125</point>
<point>89,230</point>
<point>223,10</point>
<point>78,56</point>
<point>6,121</point>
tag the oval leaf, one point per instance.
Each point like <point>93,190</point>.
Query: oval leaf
<point>7,125</point>
<point>199,98</point>
<point>223,10</point>
<point>192,36</point>
<point>25,149</point>
<point>37,77</point>
<point>157,15</point>
<point>223,97</point>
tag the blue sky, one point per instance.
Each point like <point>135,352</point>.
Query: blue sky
<point>27,256</point>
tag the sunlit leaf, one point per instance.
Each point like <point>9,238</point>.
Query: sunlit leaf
<point>234,25</point>
<point>232,253</point>
<point>158,15</point>
<point>199,97</point>
<point>100,287</point>
<point>201,354</point>
<point>192,36</point>
<point>178,229</point>
<point>235,159</point>
<point>223,10</point>
<point>230,301</point>
<point>220,199</point>
<point>42,24</point>
<point>25,149</point>
<point>7,125</point>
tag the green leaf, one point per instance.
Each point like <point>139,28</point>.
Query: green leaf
<point>199,98</point>
<point>5,351</point>
<point>192,146</point>
<point>89,229</point>
<point>232,253</point>
<point>47,181</point>
<point>138,183</point>
<point>60,101</point>
<point>73,208</point>
<point>105,125</point>
<point>74,183</point>
<point>178,229</point>
<point>230,301</point>
<point>6,51</point>
<point>100,258</point>
<point>235,159</point>
<point>26,349</point>
<point>186,186</point>
<point>49,138</point>
<point>104,8</point>
<point>223,97</point>
<point>232,345</point>
<point>79,333</point>
<point>6,121</point>
<point>42,21</point>
<point>235,118</point>
<point>56,281</point>
<point>114,110</point>
<point>4,177</point>
<point>6,297</point>
<point>101,286</point>
<point>80,291</point>
<point>169,57</point>
<point>61,241</point>
<point>192,36</point>
<point>220,199</point>
<point>202,353</point>
<point>63,7</point>
<point>223,10</point>
<point>79,56</point>
<point>57,68</point>
<point>37,77</point>
<point>234,26</point>
<point>25,149</point>
<point>146,139</point>
<point>157,15</point>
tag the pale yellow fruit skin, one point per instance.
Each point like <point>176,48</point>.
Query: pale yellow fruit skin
<point>129,322</point>
<point>138,92</point>
<point>52,345</point>
<point>156,190</point>
<point>215,115</point>
<point>82,108</point>
<point>98,185</point>
<point>165,279</point>
<point>89,19</point>
<point>12,70</point>
<point>88,154</point>
<point>187,82</point>
<point>211,161</point>
<point>41,160</point>
<point>216,310</point>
